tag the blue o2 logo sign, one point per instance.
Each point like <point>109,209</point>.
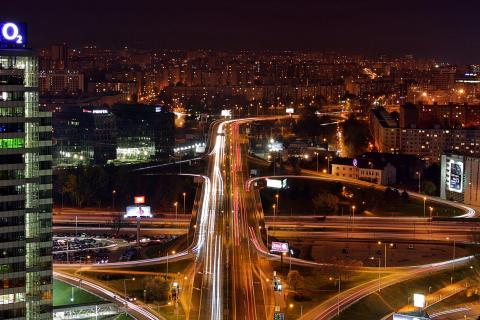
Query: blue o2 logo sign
<point>12,35</point>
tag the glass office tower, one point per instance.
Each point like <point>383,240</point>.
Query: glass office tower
<point>25,191</point>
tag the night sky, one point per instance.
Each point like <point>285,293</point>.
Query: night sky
<point>448,30</point>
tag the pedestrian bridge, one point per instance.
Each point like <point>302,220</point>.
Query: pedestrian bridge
<point>85,311</point>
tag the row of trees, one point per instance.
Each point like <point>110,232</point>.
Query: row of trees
<point>363,198</point>
<point>96,186</point>
<point>356,136</point>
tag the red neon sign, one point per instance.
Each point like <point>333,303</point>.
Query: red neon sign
<point>139,199</point>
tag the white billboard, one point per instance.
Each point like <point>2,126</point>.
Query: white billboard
<point>226,113</point>
<point>418,300</point>
<point>138,212</point>
<point>279,247</point>
<point>277,183</point>
<point>455,179</point>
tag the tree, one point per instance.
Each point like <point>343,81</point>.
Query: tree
<point>326,201</point>
<point>429,188</point>
<point>295,280</point>
<point>309,124</point>
<point>156,289</point>
<point>356,136</point>
<point>71,187</point>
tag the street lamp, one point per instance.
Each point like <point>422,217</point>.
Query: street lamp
<point>339,279</point>
<point>114,192</point>
<point>274,212</point>
<point>353,214</point>
<point>175,204</point>
<point>290,253</point>
<point>431,212</point>
<point>173,252</point>
<point>379,262</point>
<point>184,194</point>
<point>125,292</point>
<point>453,258</point>
<point>424,203</point>
<point>419,174</point>
<point>266,232</point>
<point>328,163</point>
<point>316,154</point>
<point>276,198</point>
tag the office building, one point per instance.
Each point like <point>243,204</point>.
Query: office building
<point>25,189</point>
<point>144,132</point>
<point>83,135</point>
<point>59,56</point>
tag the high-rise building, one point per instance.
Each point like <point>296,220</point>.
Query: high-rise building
<point>25,186</point>
<point>59,56</point>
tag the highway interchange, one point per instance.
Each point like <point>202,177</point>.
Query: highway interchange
<point>231,268</point>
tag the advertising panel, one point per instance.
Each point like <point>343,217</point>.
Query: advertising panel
<point>455,181</point>
<point>279,247</point>
<point>138,212</point>
<point>277,183</point>
<point>139,199</point>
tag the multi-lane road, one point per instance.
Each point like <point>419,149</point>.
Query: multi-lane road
<point>231,269</point>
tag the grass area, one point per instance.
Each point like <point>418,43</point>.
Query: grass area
<point>136,283</point>
<point>298,199</point>
<point>62,293</point>
<point>317,287</point>
<point>377,305</point>
<point>123,317</point>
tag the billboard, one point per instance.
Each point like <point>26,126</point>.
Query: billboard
<point>455,180</point>
<point>419,300</point>
<point>138,212</point>
<point>13,35</point>
<point>139,199</point>
<point>279,247</point>
<point>277,183</point>
<point>226,113</point>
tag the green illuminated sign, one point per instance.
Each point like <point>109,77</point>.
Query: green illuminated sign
<point>12,143</point>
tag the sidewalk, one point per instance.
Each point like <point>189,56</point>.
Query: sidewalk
<point>439,295</point>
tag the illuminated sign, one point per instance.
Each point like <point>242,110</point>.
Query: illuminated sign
<point>355,162</point>
<point>418,300</point>
<point>455,179</point>
<point>289,110</point>
<point>13,34</point>
<point>279,316</point>
<point>138,212</point>
<point>95,111</point>
<point>139,199</point>
<point>279,247</point>
<point>226,113</point>
<point>277,183</point>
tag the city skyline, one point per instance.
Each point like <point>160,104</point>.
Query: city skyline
<point>428,29</point>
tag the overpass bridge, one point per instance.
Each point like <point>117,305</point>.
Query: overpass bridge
<point>85,311</point>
